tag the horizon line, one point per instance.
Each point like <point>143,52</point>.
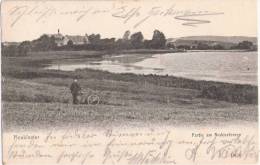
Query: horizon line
<point>144,38</point>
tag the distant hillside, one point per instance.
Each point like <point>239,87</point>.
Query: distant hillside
<point>210,42</point>
<point>230,39</point>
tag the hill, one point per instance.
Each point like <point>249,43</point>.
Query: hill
<point>210,42</point>
<point>230,39</point>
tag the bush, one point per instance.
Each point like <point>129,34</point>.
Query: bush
<point>231,93</point>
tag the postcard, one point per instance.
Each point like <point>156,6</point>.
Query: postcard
<point>139,82</point>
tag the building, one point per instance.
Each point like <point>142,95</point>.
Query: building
<point>62,40</point>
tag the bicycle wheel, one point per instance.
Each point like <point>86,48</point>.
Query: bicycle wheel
<point>93,99</point>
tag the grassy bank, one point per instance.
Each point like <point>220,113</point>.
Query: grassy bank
<point>124,97</point>
<point>24,115</point>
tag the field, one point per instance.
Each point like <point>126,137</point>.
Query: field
<point>37,98</point>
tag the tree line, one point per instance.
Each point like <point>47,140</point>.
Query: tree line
<point>47,43</point>
<point>134,41</point>
<point>208,45</point>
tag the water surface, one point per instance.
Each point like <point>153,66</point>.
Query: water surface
<point>234,67</point>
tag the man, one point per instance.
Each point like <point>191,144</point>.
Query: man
<point>75,89</point>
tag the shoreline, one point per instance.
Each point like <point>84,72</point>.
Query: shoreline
<point>233,50</point>
<point>147,51</point>
<point>166,75</point>
<point>141,51</point>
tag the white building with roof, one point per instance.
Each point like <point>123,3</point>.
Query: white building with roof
<point>62,40</point>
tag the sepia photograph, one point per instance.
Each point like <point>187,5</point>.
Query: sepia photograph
<point>129,82</point>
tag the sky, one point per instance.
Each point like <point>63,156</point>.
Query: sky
<point>27,20</point>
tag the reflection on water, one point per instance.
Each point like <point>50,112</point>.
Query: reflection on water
<point>236,67</point>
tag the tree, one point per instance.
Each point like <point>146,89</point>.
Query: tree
<point>106,43</point>
<point>218,47</point>
<point>24,48</point>
<point>245,45</point>
<point>126,35</point>
<point>94,38</point>
<point>203,46</point>
<point>123,44</point>
<point>158,40</point>
<point>70,43</point>
<point>171,45</point>
<point>186,47</point>
<point>44,43</point>
<point>137,40</point>
<point>11,50</point>
<point>147,44</point>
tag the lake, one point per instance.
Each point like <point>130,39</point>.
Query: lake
<point>233,67</point>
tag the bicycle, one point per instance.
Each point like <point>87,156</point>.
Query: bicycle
<point>90,98</point>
